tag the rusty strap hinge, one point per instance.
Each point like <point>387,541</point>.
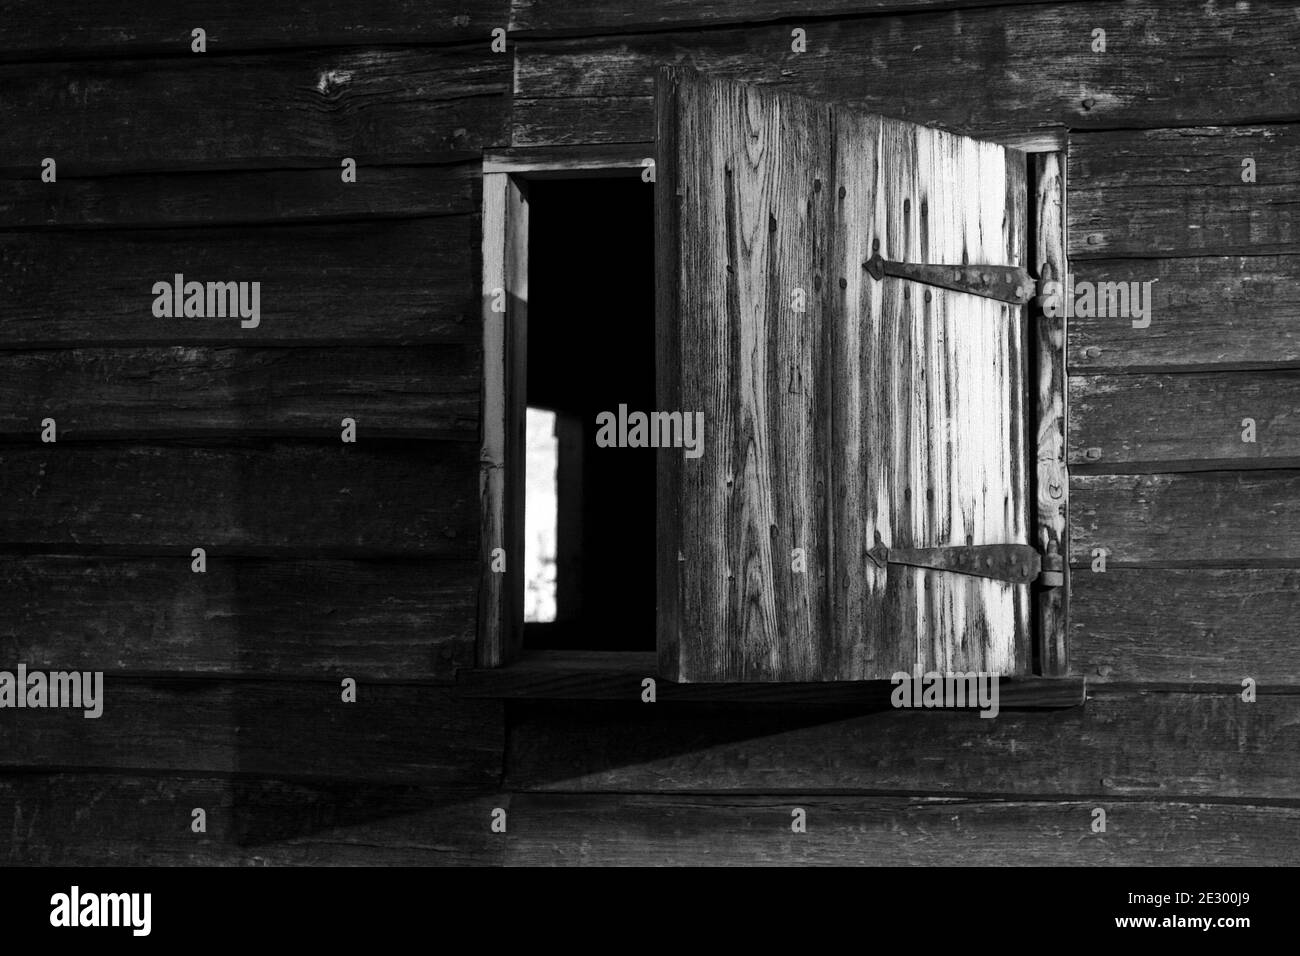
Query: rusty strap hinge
<point>1014,563</point>
<point>1004,283</point>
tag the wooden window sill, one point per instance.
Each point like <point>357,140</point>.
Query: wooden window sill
<point>617,675</point>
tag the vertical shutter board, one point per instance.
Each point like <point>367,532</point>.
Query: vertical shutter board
<point>798,391</point>
<point>753,226</point>
<point>944,199</point>
<point>1023,445</point>
<point>857,384</point>
<point>702,292</point>
<point>775,452</point>
<point>825,427</point>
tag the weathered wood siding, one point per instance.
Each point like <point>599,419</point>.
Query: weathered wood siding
<point>325,560</point>
<point>328,560</point>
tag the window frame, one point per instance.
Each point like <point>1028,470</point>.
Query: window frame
<point>506,174</point>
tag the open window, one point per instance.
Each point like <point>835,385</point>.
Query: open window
<point>589,511</point>
<point>844,299</point>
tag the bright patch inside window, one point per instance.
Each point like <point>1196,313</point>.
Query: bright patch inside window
<point>541,512</point>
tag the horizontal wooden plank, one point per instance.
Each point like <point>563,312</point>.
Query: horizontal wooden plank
<point>616,159</point>
<point>1210,519</point>
<point>145,821</point>
<point>365,283</point>
<point>423,392</point>
<point>291,109</point>
<point>89,819</point>
<point>556,18</point>
<point>995,73</point>
<point>1124,742</point>
<point>1180,192</point>
<point>246,196</point>
<point>369,498</point>
<point>35,30</point>
<point>1237,312</point>
<point>284,729</point>
<point>619,675</point>
<point>595,830</point>
<point>409,620</point>
<point>1194,420</point>
<point>550,122</point>
<point>627,159</point>
<point>556,123</point>
<point>1195,626</point>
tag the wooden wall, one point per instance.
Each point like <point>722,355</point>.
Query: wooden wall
<point>328,560</point>
<point>325,560</point>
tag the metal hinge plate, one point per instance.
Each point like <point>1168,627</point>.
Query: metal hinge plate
<point>1013,563</point>
<point>1004,283</point>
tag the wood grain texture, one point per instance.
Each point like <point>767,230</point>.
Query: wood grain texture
<point>619,676</point>
<point>1180,192</point>
<point>408,776</point>
<point>370,498</point>
<point>616,159</point>
<point>204,392</point>
<point>546,124</point>
<point>35,30</point>
<point>753,369</point>
<point>1051,477</point>
<point>554,18</point>
<point>1206,313</point>
<point>292,109</point>
<point>248,196</point>
<point>141,820</point>
<point>516,284</point>
<point>271,728</point>
<point>410,620</point>
<point>1126,742</point>
<point>505,389</point>
<point>821,430</point>
<point>985,73</point>
<point>90,819</point>
<point>1201,625</point>
<point>1209,519</point>
<point>1186,421</point>
<point>592,830</point>
<point>670,577</point>
<point>390,283</point>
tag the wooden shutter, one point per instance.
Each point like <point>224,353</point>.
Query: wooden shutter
<point>888,407</point>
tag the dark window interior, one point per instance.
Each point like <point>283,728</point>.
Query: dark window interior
<point>591,348</point>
